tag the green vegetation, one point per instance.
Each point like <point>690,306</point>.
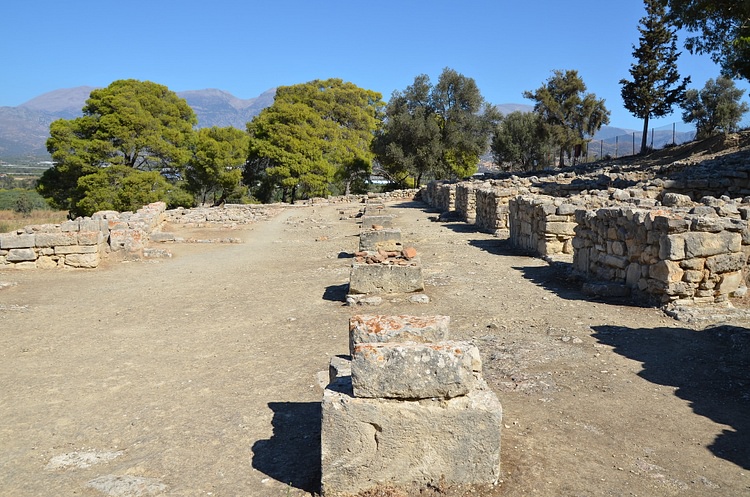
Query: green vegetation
<point>520,139</point>
<point>313,134</point>
<point>437,131</point>
<point>715,108</point>
<point>569,114</point>
<point>138,125</point>
<point>724,31</point>
<point>656,85</point>
<point>215,169</point>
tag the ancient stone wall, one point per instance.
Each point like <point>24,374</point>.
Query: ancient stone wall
<point>542,225</point>
<point>693,254</point>
<point>446,198</point>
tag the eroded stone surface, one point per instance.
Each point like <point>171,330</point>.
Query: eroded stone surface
<point>401,328</point>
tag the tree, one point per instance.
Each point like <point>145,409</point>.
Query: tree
<point>520,139</point>
<point>439,130</point>
<point>571,116</point>
<point>715,108</point>
<point>312,132</point>
<point>724,27</point>
<point>409,143</point>
<point>216,167</point>
<point>137,124</point>
<point>122,188</point>
<point>656,85</point>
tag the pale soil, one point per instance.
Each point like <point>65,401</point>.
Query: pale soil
<point>198,375</point>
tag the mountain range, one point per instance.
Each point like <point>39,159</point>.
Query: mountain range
<point>24,129</point>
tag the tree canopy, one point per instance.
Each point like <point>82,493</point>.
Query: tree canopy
<point>312,134</point>
<point>571,115</point>
<point>136,124</point>
<point>724,27</point>
<point>216,166</point>
<point>715,108</point>
<point>436,130</point>
<point>655,86</point>
<point>520,141</point>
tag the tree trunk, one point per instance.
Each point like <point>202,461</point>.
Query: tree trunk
<point>644,139</point>
<point>562,157</point>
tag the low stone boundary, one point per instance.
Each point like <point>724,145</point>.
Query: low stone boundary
<point>684,254</point>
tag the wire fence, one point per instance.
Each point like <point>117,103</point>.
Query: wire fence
<point>623,145</point>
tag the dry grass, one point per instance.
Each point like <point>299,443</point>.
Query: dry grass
<point>11,221</point>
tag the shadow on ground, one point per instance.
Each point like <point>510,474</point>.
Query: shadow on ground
<point>336,293</point>
<point>292,454</point>
<point>710,368</point>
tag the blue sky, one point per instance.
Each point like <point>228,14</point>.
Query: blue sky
<point>247,47</point>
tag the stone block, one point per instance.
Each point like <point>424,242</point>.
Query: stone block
<point>385,239</point>
<point>402,328</point>
<point>385,278</point>
<point>369,221</point>
<point>724,263</point>
<point>76,249</point>
<point>90,237</point>
<point>74,225</point>
<point>53,239</point>
<point>672,247</point>
<point>82,260</point>
<point>369,442</point>
<point>339,367</point>
<point>666,272</point>
<point>567,229</point>
<point>21,255</point>
<point>676,200</point>
<point>46,262</point>
<point>161,237</point>
<point>702,244</point>
<point>15,241</point>
<point>414,370</point>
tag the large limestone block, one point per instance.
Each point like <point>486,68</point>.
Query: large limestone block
<point>402,328</point>
<point>368,221</point>
<point>384,239</point>
<point>367,442</point>
<point>414,370</point>
<point>702,244</point>
<point>15,241</point>
<point>76,249</point>
<point>82,260</point>
<point>384,278</point>
<point>56,239</point>
<point>21,255</point>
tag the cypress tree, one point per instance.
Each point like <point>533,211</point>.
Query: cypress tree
<point>656,85</point>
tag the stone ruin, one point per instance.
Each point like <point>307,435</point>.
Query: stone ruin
<point>407,407</point>
<point>382,265</point>
<point>675,234</point>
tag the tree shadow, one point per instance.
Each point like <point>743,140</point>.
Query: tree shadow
<point>710,368</point>
<point>292,454</point>
<point>336,293</point>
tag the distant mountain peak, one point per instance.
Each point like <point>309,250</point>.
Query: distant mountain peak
<point>64,100</point>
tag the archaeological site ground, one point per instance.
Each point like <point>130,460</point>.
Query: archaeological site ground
<point>204,352</point>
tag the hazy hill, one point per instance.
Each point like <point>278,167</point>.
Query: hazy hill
<point>24,129</point>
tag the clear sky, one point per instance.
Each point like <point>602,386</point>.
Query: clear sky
<point>247,47</point>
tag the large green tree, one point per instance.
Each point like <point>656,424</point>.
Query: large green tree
<point>715,108</point>
<point>313,134</point>
<point>655,87</point>
<point>137,124</point>
<point>520,141</point>
<point>571,115</point>
<point>438,130</point>
<point>216,166</point>
<point>724,31</point>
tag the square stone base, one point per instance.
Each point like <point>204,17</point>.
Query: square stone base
<point>386,278</point>
<point>371,442</point>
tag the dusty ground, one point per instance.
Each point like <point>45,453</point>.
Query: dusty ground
<point>197,375</point>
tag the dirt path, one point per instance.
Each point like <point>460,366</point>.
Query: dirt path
<point>197,375</point>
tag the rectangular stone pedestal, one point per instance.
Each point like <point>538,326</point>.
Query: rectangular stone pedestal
<point>383,329</point>
<point>386,278</point>
<point>371,442</point>
<point>385,239</point>
<point>368,221</point>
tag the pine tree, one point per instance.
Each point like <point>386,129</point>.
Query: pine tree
<point>656,85</point>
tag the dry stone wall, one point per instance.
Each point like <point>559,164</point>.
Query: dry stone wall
<point>695,255</point>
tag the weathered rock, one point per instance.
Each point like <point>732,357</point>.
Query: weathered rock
<point>414,370</point>
<point>367,442</point>
<point>16,241</point>
<point>385,239</point>
<point>402,328</point>
<point>383,278</point>
<point>21,255</point>
<point>82,260</point>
